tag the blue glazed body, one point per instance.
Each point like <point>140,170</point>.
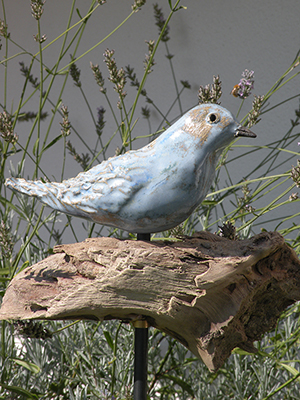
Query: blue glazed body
<point>151,189</point>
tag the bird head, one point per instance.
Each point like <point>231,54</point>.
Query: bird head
<point>214,126</point>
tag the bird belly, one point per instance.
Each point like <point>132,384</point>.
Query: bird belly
<point>166,202</point>
<point>160,205</point>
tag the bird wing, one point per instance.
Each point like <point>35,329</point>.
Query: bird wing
<point>105,188</point>
<point>102,190</point>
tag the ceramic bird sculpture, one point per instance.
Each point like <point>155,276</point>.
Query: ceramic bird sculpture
<point>151,189</point>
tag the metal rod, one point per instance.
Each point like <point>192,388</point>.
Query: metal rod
<point>143,236</point>
<point>140,360</point>
<point>141,349</point>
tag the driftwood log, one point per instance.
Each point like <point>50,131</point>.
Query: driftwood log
<point>210,293</point>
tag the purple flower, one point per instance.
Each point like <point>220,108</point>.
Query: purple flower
<point>246,84</point>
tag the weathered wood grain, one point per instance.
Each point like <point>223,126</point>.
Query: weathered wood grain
<point>210,293</point>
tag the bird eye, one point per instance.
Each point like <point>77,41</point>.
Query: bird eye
<point>213,118</point>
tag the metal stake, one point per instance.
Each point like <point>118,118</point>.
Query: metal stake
<point>141,349</point>
<point>143,236</point>
<point>140,360</point>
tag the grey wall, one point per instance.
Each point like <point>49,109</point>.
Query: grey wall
<point>208,38</point>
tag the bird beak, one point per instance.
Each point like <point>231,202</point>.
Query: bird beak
<point>242,131</point>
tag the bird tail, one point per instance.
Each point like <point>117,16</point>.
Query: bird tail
<point>46,192</point>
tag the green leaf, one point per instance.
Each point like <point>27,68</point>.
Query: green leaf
<point>185,386</point>
<point>210,203</point>
<point>52,143</point>
<point>28,365</point>
<point>290,369</point>
<point>24,265</point>
<point>17,209</point>
<point>242,352</point>
<point>109,340</point>
<point>5,280</point>
<point>4,271</point>
<point>19,390</point>
<point>78,12</point>
<point>35,147</point>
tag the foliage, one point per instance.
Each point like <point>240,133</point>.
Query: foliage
<point>88,360</point>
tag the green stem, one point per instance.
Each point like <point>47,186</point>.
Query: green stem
<point>3,341</point>
<point>143,81</point>
<point>94,121</point>
<point>161,366</point>
<point>174,79</point>
<point>40,101</point>
<point>54,75</point>
<point>282,386</point>
<point>65,327</point>
<point>113,372</point>
<point>265,209</point>
<point>5,58</point>
<point>82,20</point>
<point>240,107</point>
<point>247,182</point>
<point>278,82</point>
<point>165,120</point>
<point>21,251</point>
<point>96,45</point>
